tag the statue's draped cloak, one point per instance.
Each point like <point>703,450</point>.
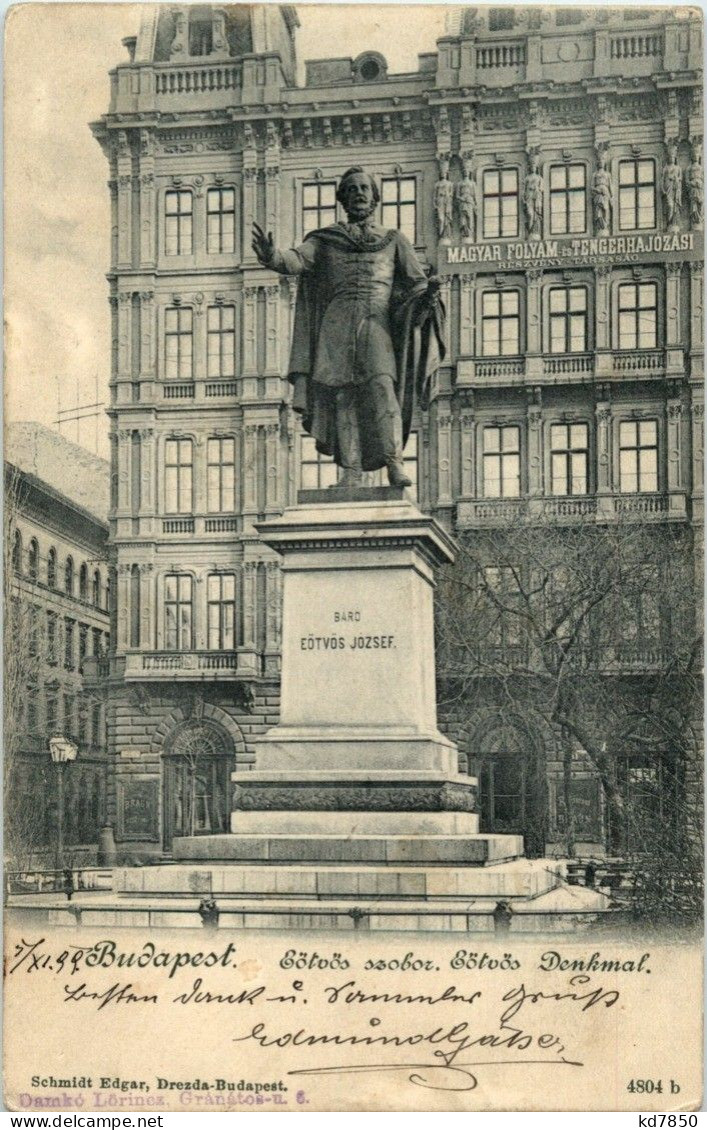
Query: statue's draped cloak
<point>401,314</point>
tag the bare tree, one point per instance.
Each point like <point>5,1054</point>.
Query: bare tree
<point>595,630</point>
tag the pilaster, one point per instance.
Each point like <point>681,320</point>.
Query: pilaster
<point>124,167</point>
<point>250,187</point>
<point>147,199</point>
<point>444,456</point>
<point>467,454</point>
<point>466,316</point>
<point>534,423</point>
<point>272,329</point>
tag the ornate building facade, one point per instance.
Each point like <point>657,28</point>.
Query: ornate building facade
<point>548,165</point>
<point>57,594</point>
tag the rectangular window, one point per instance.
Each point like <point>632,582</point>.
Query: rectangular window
<point>569,458</point>
<point>500,323</point>
<point>639,619</point>
<point>221,341</point>
<point>316,471</point>
<point>221,611</point>
<point>568,199</point>
<point>178,476</point>
<point>318,205</point>
<point>504,628</point>
<point>638,316</point>
<point>220,221</point>
<point>69,719</point>
<point>96,725</point>
<point>398,205</point>
<point>178,223</point>
<point>31,712</point>
<point>83,642</point>
<point>69,662</point>
<point>638,456</point>
<point>178,343</point>
<point>501,462</point>
<point>568,319</point>
<point>96,634</point>
<point>52,657</point>
<point>636,194</point>
<point>500,203</point>
<point>83,722</point>
<point>33,631</point>
<point>178,612</point>
<point>221,475</point>
<point>51,715</point>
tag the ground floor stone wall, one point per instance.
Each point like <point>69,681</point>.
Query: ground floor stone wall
<point>173,748</point>
<point>161,739</point>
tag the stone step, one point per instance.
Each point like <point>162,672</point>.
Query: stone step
<point>429,850</point>
<point>558,911</point>
<point>522,880</point>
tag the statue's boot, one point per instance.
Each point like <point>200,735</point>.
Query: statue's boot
<point>349,439</point>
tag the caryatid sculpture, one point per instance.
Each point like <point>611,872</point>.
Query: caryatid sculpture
<point>533,198</point>
<point>602,195</point>
<point>695,183</point>
<point>368,333</point>
<point>672,188</point>
<point>444,200</point>
<point>467,204</point>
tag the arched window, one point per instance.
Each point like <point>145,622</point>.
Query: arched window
<point>83,582</point>
<point>51,568</point>
<point>33,559</point>
<point>69,576</point>
<point>512,784</point>
<point>17,553</point>
<point>97,589</point>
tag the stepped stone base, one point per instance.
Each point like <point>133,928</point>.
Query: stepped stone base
<point>523,879</point>
<point>385,848</point>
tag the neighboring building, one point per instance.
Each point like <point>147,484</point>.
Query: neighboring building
<point>548,164</point>
<point>56,502</point>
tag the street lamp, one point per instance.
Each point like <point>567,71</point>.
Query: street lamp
<point>61,750</point>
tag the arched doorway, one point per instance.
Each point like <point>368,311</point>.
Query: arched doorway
<point>198,761</point>
<point>512,785</point>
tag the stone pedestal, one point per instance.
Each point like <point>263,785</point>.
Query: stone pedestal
<point>356,774</point>
<point>357,749</point>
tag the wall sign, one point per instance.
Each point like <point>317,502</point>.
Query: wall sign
<point>594,251</point>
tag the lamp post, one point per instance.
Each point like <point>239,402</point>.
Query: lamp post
<point>61,750</point>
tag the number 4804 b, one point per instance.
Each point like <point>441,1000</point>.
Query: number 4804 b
<point>645,1086</point>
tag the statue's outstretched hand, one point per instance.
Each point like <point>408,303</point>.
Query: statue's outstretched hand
<point>263,245</point>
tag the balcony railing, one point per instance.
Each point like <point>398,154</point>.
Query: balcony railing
<point>638,45</point>
<point>178,526</point>
<point>474,513</point>
<point>220,525</point>
<point>185,664</point>
<point>634,361</point>
<point>198,79</point>
<point>566,363</point>
<point>577,507</point>
<point>178,392</point>
<point>633,504</point>
<point>501,55</point>
<point>570,368</point>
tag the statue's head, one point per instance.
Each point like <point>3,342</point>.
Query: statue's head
<point>357,193</point>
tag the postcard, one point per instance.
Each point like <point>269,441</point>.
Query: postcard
<point>353,441</point>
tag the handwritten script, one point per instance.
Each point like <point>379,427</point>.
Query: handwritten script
<point>438,1021</point>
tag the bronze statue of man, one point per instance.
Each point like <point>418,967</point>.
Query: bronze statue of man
<point>367,334</point>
